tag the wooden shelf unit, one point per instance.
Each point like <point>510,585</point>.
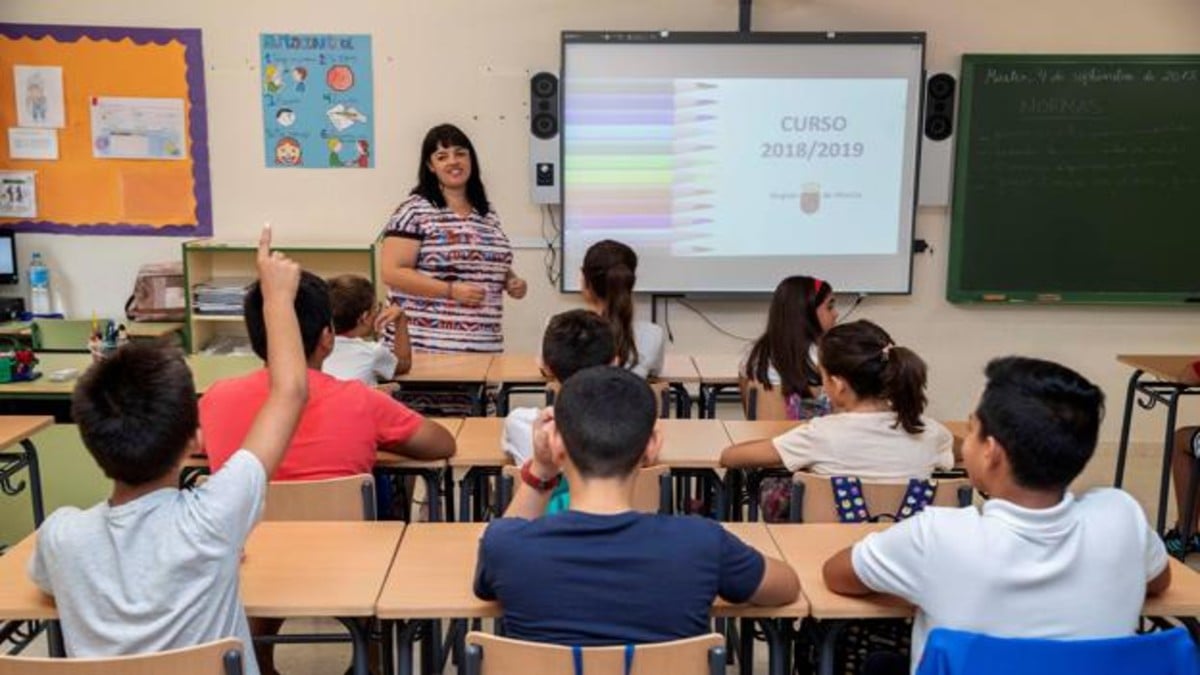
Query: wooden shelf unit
<point>208,259</point>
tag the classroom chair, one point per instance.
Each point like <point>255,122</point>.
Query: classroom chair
<point>222,657</point>
<point>64,335</point>
<point>347,498</point>
<point>812,497</point>
<point>492,655</point>
<point>651,488</point>
<point>662,393</point>
<point>952,652</point>
<point>759,403</point>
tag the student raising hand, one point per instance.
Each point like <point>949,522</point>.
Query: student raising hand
<point>279,277</point>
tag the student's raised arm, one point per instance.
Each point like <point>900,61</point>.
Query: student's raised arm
<point>272,429</point>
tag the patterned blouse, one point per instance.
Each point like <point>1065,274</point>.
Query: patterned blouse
<point>452,248</point>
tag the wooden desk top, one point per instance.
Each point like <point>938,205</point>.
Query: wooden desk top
<point>758,537</point>
<point>740,431</point>
<point>434,574</point>
<point>466,368</point>
<point>1182,597</point>
<point>317,569</point>
<point>291,569</point>
<point>16,428</point>
<point>134,329</point>
<point>678,368</point>
<point>207,369</point>
<point>1168,367</point>
<point>717,368</point>
<point>807,547</point>
<point>390,460</point>
<point>515,369</point>
<point>692,444</point>
<point>19,597</point>
<point>479,443</point>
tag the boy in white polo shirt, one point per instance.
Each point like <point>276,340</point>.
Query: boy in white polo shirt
<point>1034,561</point>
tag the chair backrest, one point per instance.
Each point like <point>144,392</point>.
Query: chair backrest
<point>651,488</point>
<point>64,335</point>
<point>662,394</point>
<point>223,657</point>
<point>347,498</point>
<point>491,655</point>
<point>952,652</point>
<point>812,497</point>
<point>758,403</point>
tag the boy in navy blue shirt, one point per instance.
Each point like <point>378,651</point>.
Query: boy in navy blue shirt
<point>602,573</point>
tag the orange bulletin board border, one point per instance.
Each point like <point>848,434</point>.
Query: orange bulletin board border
<point>153,194</point>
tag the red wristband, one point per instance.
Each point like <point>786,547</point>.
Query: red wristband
<point>536,483</point>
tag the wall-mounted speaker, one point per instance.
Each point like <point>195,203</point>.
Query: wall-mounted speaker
<point>937,146</point>
<point>545,165</point>
<point>939,107</point>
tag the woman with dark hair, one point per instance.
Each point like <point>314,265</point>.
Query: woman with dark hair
<point>609,273</point>
<point>445,259</point>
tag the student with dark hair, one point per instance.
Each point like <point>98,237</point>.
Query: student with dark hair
<point>357,321</point>
<point>877,431</point>
<point>573,341</point>
<point>445,259</point>
<point>785,356</point>
<point>1033,561</point>
<point>345,422</point>
<point>154,568</point>
<point>630,577</point>
<point>609,273</point>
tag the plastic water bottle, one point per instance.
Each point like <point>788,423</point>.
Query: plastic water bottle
<point>39,285</point>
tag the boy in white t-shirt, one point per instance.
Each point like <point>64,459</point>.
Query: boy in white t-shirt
<point>1034,561</point>
<point>357,319</point>
<point>153,567</point>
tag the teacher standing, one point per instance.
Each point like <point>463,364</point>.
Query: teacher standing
<point>446,261</point>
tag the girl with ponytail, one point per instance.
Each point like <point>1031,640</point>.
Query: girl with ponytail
<point>877,430</point>
<point>609,274</point>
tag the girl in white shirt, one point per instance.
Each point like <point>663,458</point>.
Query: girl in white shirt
<point>877,431</point>
<point>609,273</point>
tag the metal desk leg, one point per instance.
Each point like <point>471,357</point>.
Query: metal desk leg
<point>388,638</point>
<point>35,482</point>
<point>433,493</point>
<point>448,492</point>
<point>466,488</point>
<point>778,649</point>
<point>746,649</point>
<point>833,629</point>
<point>54,640</point>
<point>503,393</point>
<point>404,645</point>
<point>1126,422</point>
<point>1164,485</point>
<point>358,637</point>
<point>431,647</point>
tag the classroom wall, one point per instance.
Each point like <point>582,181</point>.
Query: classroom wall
<point>466,61</point>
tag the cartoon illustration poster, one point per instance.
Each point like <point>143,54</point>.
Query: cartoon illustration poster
<point>318,104</point>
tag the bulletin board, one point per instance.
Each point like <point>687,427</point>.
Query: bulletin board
<point>80,193</point>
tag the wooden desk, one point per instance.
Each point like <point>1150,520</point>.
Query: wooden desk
<point>479,443</point>
<point>205,371</point>
<point>392,460</point>
<point>513,373</point>
<point>14,430</point>
<point>448,368</point>
<point>1157,379</point>
<point>742,431</point>
<point>136,330</point>
<point>292,569</point>
<point>434,571</point>
<point>209,369</point>
<point>434,473</point>
<point>717,372</point>
<point>678,368</point>
<point>692,444</point>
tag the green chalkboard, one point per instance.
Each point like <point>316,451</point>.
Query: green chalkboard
<point>1077,179</point>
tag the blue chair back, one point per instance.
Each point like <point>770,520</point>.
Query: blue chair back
<point>952,652</point>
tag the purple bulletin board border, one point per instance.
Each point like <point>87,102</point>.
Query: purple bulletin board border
<point>197,123</point>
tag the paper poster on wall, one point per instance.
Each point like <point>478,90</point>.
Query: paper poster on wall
<point>317,101</point>
<point>39,92</point>
<point>18,194</point>
<point>32,143</point>
<point>138,128</point>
